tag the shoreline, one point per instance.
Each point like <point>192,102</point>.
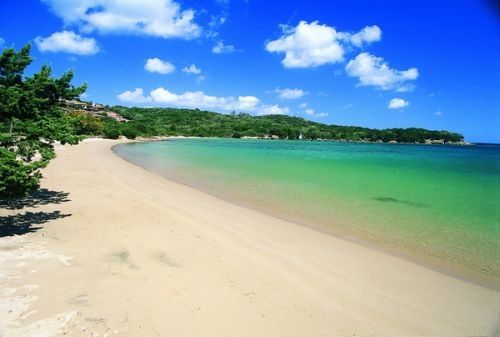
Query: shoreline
<point>435,262</point>
<point>166,138</point>
<point>141,255</point>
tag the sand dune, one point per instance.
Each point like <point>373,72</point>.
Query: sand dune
<point>123,252</point>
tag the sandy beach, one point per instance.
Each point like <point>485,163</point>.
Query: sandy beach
<point>109,249</point>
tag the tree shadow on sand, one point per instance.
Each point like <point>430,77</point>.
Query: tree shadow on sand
<point>28,222</point>
<point>41,197</point>
<point>19,224</point>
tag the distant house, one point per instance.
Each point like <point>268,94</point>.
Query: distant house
<point>301,136</point>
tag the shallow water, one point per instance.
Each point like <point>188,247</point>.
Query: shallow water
<point>436,202</point>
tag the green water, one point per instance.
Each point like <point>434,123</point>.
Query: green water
<point>439,203</point>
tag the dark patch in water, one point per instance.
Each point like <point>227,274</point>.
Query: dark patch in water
<point>404,202</point>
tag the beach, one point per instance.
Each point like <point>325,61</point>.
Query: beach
<point>110,249</point>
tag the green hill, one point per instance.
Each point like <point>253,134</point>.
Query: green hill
<point>187,122</point>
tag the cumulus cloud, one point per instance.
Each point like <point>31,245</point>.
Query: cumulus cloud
<point>290,93</point>
<point>313,44</point>
<point>367,35</point>
<point>161,18</point>
<point>136,96</point>
<point>398,103</point>
<point>156,65</point>
<point>311,112</point>
<point>221,48</point>
<point>374,71</point>
<point>192,69</point>
<point>198,99</point>
<point>272,110</point>
<point>67,42</point>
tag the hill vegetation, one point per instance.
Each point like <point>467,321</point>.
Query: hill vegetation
<point>187,122</point>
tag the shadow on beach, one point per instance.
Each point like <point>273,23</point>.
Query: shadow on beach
<point>41,197</point>
<point>28,222</point>
<point>20,224</point>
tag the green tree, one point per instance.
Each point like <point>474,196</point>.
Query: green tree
<point>29,106</point>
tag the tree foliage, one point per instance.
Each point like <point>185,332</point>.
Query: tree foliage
<point>31,120</point>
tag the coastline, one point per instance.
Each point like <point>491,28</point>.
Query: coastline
<point>143,255</point>
<point>444,263</point>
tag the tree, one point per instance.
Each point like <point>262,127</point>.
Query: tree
<point>31,97</point>
<point>29,106</point>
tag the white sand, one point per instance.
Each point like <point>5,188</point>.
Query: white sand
<point>144,256</point>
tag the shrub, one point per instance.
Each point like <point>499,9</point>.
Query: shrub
<point>111,133</point>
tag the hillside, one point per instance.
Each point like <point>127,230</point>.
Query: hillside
<point>188,122</point>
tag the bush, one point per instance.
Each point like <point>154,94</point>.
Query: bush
<point>111,133</point>
<point>84,123</point>
<point>16,177</point>
<point>130,132</point>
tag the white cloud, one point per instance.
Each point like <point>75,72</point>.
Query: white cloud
<point>2,42</point>
<point>136,96</point>
<point>198,99</point>
<point>438,113</point>
<point>398,103</point>
<point>290,93</point>
<point>273,110</point>
<point>67,42</point>
<point>221,48</point>
<point>313,44</point>
<point>155,65</point>
<point>192,69</point>
<point>367,35</point>
<point>161,18</point>
<point>217,21</point>
<point>374,71</point>
<point>311,112</point>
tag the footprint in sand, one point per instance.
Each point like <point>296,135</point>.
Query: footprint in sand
<point>79,300</point>
<point>123,257</point>
<point>165,259</point>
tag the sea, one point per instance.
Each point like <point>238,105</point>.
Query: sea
<point>437,204</point>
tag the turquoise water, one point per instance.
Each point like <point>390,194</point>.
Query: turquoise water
<point>439,203</point>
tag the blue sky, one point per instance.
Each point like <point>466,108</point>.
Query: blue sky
<point>432,64</point>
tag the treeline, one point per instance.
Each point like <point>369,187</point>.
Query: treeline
<point>186,122</point>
